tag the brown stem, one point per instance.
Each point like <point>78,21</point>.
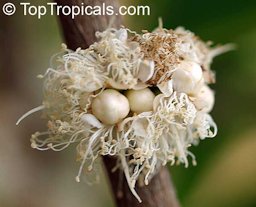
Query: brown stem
<point>159,193</point>
<point>80,32</point>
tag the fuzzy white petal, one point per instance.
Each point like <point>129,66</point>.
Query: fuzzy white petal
<point>91,120</point>
<point>146,70</point>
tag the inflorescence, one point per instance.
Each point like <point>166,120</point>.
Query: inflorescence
<point>141,98</point>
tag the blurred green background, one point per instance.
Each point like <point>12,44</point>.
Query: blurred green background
<point>226,170</point>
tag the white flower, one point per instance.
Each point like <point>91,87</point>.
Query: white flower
<point>124,62</point>
<point>161,135</point>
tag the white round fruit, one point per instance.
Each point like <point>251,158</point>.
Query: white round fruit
<point>140,100</point>
<point>110,107</point>
<point>204,100</point>
<point>187,76</point>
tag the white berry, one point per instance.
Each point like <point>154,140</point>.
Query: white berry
<point>187,76</point>
<point>140,100</point>
<point>110,106</point>
<point>204,100</point>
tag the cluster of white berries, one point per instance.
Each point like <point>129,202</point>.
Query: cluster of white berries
<point>142,98</point>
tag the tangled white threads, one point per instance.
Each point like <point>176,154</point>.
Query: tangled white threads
<point>86,102</point>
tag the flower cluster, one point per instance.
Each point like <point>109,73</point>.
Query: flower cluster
<point>142,98</point>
